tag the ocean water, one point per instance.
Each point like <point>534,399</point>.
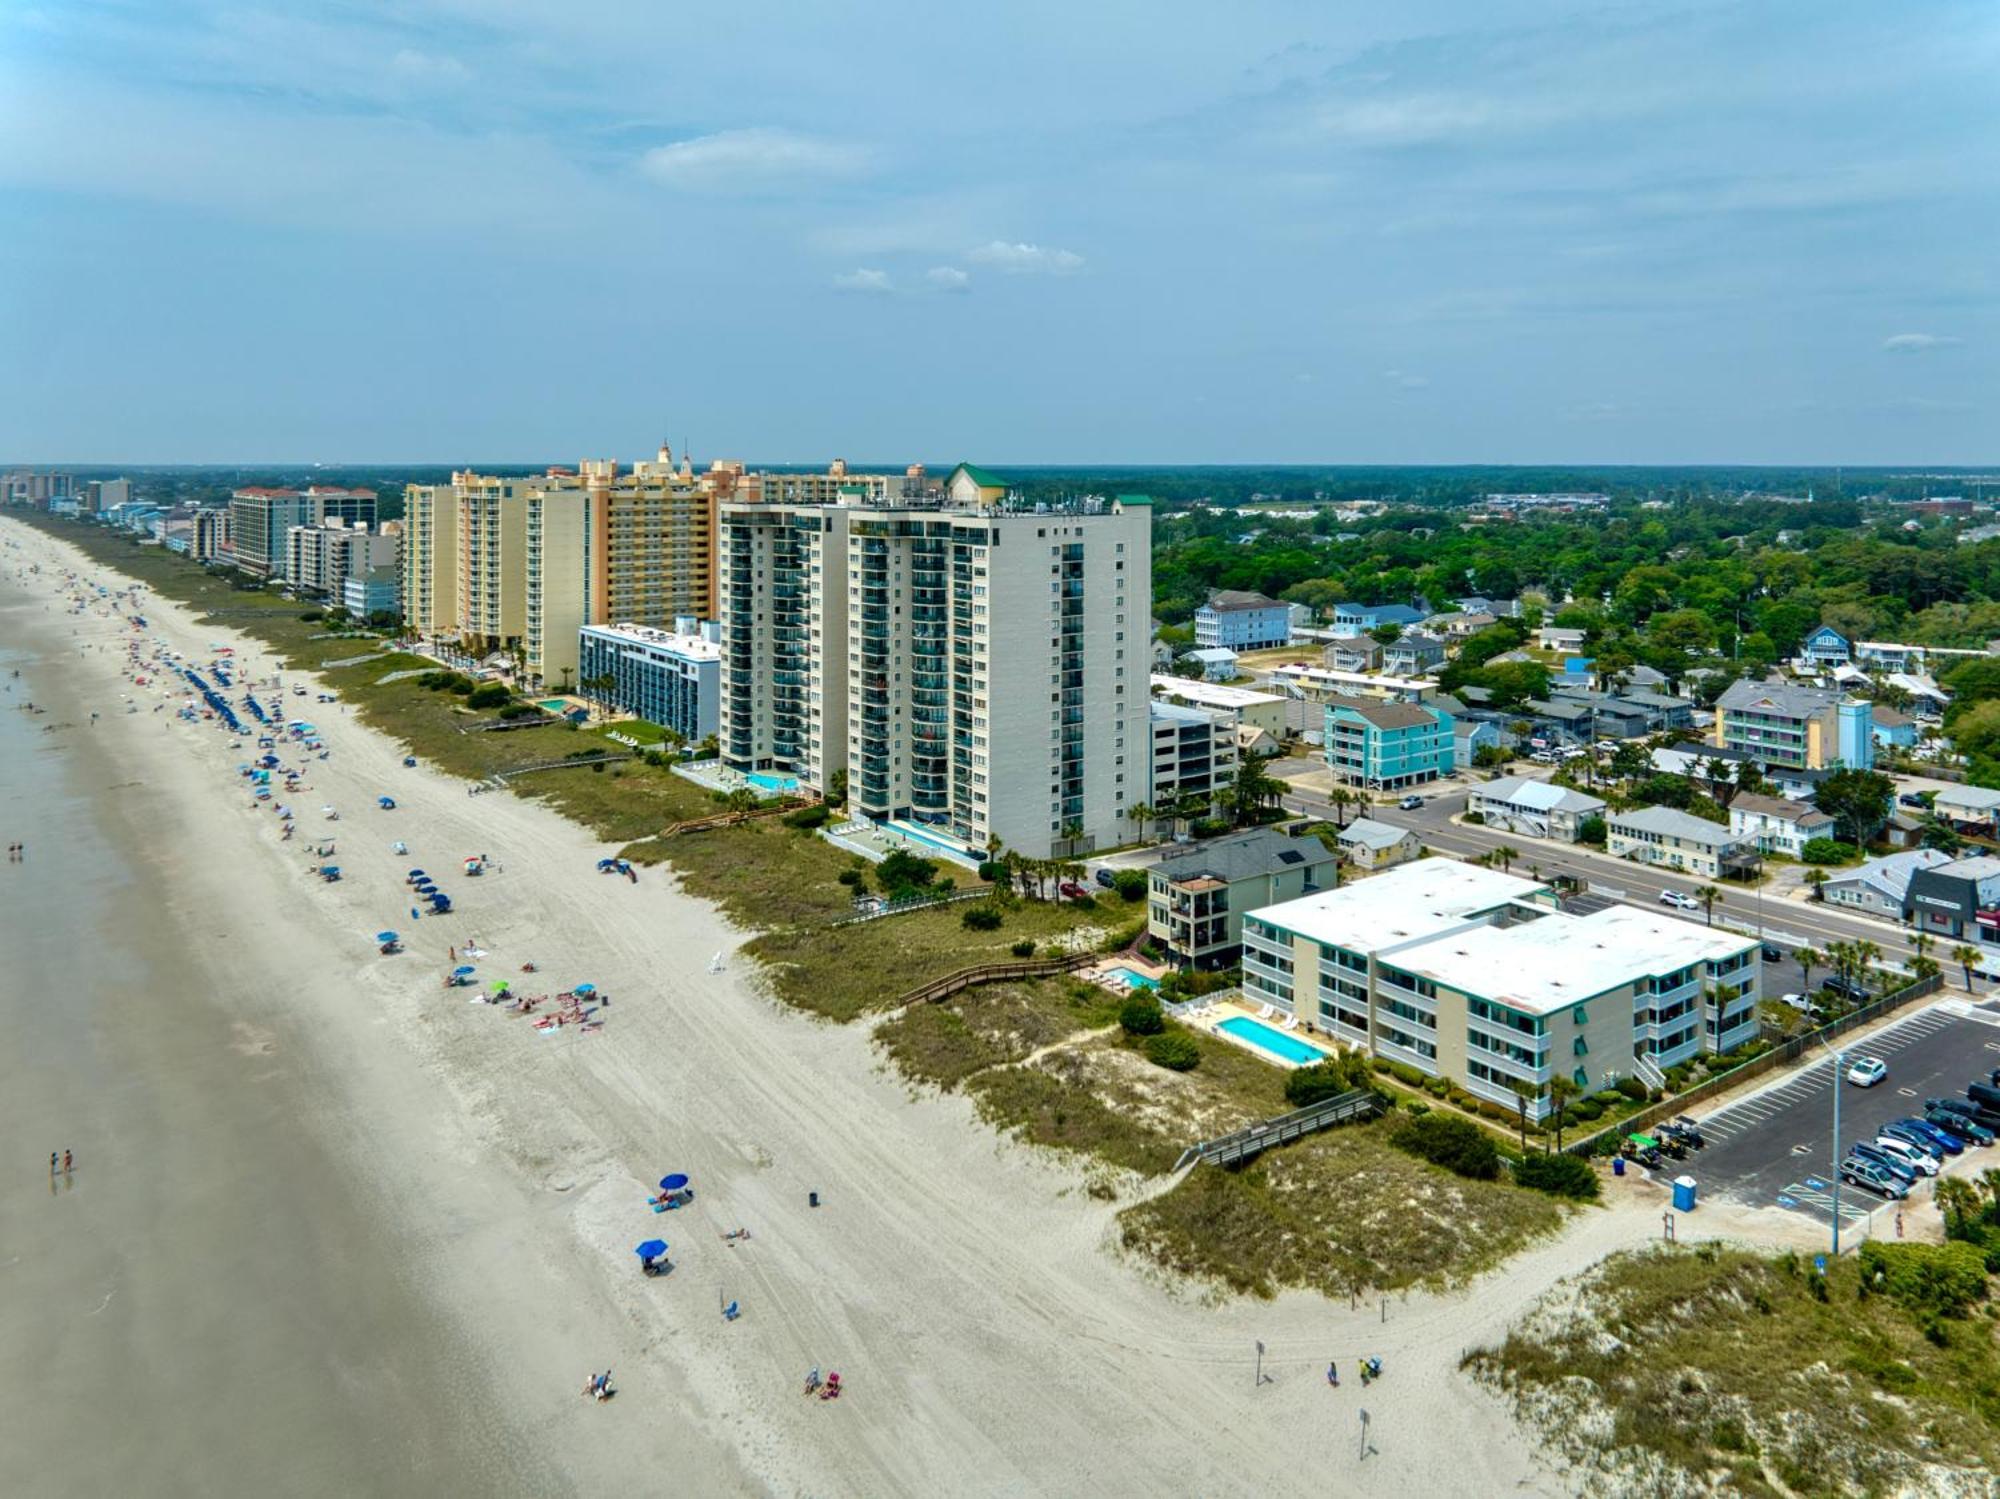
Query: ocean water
<point>205,1305</point>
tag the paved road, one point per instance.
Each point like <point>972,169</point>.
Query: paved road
<point>1787,922</point>
<point>1776,1147</point>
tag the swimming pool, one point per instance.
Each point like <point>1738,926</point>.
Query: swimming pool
<point>763,780</point>
<point>1133,979</point>
<point>1269,1038</point>
<point>554,704</point>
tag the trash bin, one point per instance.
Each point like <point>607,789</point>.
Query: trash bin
<point>1618,1165</point>
<point>1684,1193</point>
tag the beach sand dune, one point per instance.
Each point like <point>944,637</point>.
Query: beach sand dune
<point>989,1337</point>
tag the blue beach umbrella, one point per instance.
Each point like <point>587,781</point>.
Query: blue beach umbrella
<point>385,936</point>
<point>463,968</point>
<point>652,1249</point>
<point>584,989</point>
<point>674,1182</point>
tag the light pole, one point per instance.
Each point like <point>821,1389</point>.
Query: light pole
<point>1839,1063</point>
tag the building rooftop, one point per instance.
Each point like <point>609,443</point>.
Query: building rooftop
<point>1233,601</point>
<point>1978,867</point>
<point>1407,904</point>
<point>692,646</point>
<point>1777,807</point>
<point>1891,874</point>
<point>1787,699</point>
<point>1539,796</point>
<point>1559,960</point>
<point>1670,822</point>
<point>1975,797</point>
<point>1889,718</point>
<point>1242,856</point>
<point>1369,833</point>
<point>1212,694</point>
<point>1385,715</point>
<point>1210,653</point>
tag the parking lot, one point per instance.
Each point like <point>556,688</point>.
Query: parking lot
<point>1775,1148</point>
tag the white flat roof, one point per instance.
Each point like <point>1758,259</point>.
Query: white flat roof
<point>1406,904</point>
<point>1212,693</point>
<point>692,646</point>
<point>1327,676</point>
<point>1559,960</point>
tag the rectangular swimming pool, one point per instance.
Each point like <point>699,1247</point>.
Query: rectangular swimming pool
<point>765,781</point>
<point>1133,979</point>
<point>1269,1038</point>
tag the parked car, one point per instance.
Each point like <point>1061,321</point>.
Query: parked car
<point>1845,988</point>
<point>1917,1158</point>
<point>1964,1108</point>
<point>1105,877</point>
<point>1798,1002</point>
<point>1683,1129</point>
<point>1410,803</point>
<point>1939,1138</point>
<point>1773,953</point>
<point>1073,890</point>
<point>1964,1126</point>
<point>1868,1150</point>
<point>1985,1095</point>
<point>1866,1173</point>
<point>1866,1072</point>
<point>1921,1136</point>
<point>1679,900</point>
<point>1915,798</point>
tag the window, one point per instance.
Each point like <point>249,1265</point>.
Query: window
<point>1582,1016</point>
<point>1579,1047</point>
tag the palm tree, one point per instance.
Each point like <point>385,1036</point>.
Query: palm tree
<point>1524,1093</point>
<point>1140,813</point>
<point>1708,895</point>
<point>1924,968</point>
<point>1966,956</point>
<point>1506,855</point>
<point>1072,834</point>
<point>1808,959</point>
<point>1866,954</point>
<point>1817,879</point>
<point>742,800</point>
<point>1922,943</point>
<point>1958,1200</point>
<point>1562,1088</point>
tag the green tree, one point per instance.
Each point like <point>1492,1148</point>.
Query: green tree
<point>1708,895</point>
<point>1967,957</point>
<point>1857,801</point>
<point>1808,958</point>
<point>1562,1089</point>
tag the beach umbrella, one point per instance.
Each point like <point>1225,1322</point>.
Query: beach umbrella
<point>463,968</point>
<point>416,874</point>
<point>500,986</point>
<point>673,1183</point>
<point>385,936</point>
<point>652,1249</point>
<point>584,989</point>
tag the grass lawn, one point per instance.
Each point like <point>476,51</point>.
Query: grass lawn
<point>1715,1360</point>
<point>992,1025</point>
<point>1334,1213</point>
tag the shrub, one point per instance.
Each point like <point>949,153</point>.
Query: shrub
<point>856,879</point>
<point>1932,1280</point>
<point>1592,831</point>
<point>1632,1088</point>
<point>515,711</point>
<point>1586,1110</point>
<point>1141,1016</point>
<point>312,616</point>
<point>1476,819</point>
<point>1438,1087</point>
<point>1025,948</point>
<point>1458,1145</point>
<point>655,758</point>
<point>1328,1079</point>
<point>1558,1175</point>
<point>981,918</point>
<point>1828,851</point>
<point>1174,1050</point>
<point>814,816</point>
<point>903,873</point>
<point>1609,1097</point>
<point>993,871</point>
<point>1131,884</point>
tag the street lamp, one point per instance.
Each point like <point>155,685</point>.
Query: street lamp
<point>1839,1066</point>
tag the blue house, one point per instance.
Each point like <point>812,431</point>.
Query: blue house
<point>1892,728</point>
<point>1242,622</point>
<point>1383,746</point>
<point>1353,619</point>
<point>1826,647</point>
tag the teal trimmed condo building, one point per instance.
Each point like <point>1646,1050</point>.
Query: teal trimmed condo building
<point>1384,745</point>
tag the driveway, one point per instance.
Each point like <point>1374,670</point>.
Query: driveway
<point>1775,1147</point>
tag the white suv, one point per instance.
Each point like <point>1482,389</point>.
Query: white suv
<point>1921,1161</point>
<point>1679,901</point>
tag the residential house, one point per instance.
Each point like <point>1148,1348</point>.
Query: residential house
<point>1385,745</point>
<point>1534,809</point>
<point>1972,808</point>
<point>1881,886</point>
<point>1781,723</point>
<point>1302,617</point>
<point>1218,663</point>
<point>1560,720</point>
<point>1498,608</point>
<point>1551,638</point>
<point>1469,736</point>
<point>1412,655</point>
<point>1777,826</point>
<point>1671,839</point>
<point>1368,844</point>
<point>1893,729</point>
<point>1825,649</point>
<point>1927,699</point>
<point>1462,625</point>
<point>1196,900</point>
<point>1474,975</point>
<point>1958,899</point>
<point>1357,619</point>
<point>1353,653</point>
<point>1242,621</point>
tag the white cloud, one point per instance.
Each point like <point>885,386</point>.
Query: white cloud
<point>1023,259</point>
<point>428,67</point>
<point>948,278</point>
<point>1404,380</point>
<point>750,160</point>
<point>1919,343</point>
<point>865,280</point>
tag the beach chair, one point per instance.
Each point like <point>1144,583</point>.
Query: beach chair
<point>1265,1012</point>
<point>1291,1022</point>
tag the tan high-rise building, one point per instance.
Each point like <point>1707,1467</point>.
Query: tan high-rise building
<point>430,560</point>
<point>978,671</point>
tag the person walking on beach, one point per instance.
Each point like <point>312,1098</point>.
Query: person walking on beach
<point>1333,1373</point>
<point>68,1160</point>
<point>52,1163</point>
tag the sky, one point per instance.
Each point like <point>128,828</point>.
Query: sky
<point>1134,231</point>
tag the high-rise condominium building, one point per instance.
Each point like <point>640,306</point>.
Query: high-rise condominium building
<point>320,559</point>
<point>260,518</point>
<point>430,560</point>
<point>977,670</point>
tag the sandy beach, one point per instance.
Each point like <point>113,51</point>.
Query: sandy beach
<point>490,1181</point>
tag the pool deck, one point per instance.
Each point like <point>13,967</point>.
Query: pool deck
<point>1210,1018</point>
<point>1109,973</point>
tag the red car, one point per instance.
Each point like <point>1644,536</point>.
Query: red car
<point>1073,890</point>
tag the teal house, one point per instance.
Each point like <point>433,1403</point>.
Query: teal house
<point>1383,746</point>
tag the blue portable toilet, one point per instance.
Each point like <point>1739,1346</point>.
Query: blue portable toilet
<point>1684,1194</point>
